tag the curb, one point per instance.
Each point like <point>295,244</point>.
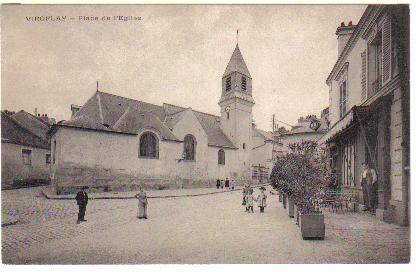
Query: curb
<point>154,197</point>
<point>10,223</point>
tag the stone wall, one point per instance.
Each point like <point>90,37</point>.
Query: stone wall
<point>398,188</point>
<point>94,158</point>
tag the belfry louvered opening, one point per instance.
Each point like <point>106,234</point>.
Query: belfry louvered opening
<point>228,84</point>
<point>244,83</point>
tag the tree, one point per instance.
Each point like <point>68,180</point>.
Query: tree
<point>302,175</point>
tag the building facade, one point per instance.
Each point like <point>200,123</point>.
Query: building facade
<point>369,108</point>
<point>308,128</point>
<point>25,150</point>
<point>116,142</point>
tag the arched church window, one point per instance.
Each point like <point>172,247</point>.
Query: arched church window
<point>221,157</point>
<point>228,84</point>
<point>189,147</point>
<point>244,83</point>
<point>149,145</point>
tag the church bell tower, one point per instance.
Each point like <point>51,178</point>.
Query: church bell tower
<point>236,111</point>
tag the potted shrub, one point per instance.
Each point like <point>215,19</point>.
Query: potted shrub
<point>291,207</point>
<point>303,175</point>
<point>296,213</point>
<point>284,201</point>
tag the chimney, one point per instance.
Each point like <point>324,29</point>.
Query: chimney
<point>44,117</point>
<point>344,33</point>
<point>74,109</point>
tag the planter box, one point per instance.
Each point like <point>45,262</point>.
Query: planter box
<point>312,226</point>
<point>284,201</point>
<point>291,208</point>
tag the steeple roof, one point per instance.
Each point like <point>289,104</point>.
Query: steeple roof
<point>237,64</point>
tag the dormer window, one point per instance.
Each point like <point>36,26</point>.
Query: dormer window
<point>244,83</point>
<point>228,84</point>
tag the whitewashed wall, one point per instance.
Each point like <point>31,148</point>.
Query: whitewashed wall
<point>13,167</point>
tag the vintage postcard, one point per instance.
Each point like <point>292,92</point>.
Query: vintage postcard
<point>205,134</point>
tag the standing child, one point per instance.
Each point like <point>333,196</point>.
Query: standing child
<point>249,201</point>
<point>245,191</point>
<point>261,199</point>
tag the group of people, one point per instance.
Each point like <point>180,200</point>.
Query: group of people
<point>82,201</point>
<point>225,184</point>
<point>248,199</point>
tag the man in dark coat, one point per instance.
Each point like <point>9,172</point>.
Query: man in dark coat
<point>82,201</point>
<point>218,183</point>
<point>227,183</point>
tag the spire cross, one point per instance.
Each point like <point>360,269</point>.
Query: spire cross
<point>237,36</point>
<point>97,85</point>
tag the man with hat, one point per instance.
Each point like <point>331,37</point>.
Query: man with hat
<point>82,201</point>
<point>369,185</point>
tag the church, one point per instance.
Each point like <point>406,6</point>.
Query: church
<point>117,143</point>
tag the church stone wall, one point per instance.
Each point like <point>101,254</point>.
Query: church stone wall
<point>85,157</point>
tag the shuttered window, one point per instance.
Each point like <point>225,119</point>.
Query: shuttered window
<point>386,50</point>
<point>228,84</point>
<point>244,83</point>
<point>364,75</point>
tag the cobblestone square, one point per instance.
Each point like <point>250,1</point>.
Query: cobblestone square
<point>192,230</point>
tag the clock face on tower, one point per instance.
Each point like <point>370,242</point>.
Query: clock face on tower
<point>227,109</point>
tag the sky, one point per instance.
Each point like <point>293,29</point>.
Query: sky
<point>174,54</point>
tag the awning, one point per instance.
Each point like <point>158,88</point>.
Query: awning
<point>351,117</point>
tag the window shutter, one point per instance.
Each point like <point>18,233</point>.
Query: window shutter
<point>386,50</point>
<point>363,75</point>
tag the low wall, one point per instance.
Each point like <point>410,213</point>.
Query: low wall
<point>69,180</point>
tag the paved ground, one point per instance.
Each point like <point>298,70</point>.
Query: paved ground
<point>205,229</point>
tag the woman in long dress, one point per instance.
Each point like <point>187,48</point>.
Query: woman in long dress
<point>141,196</point>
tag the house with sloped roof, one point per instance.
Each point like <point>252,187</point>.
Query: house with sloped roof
<point>369,112</point>
<point>309,128</point>
<point>25,149</point>
<point>117,142</point>
<point>265,148</point>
